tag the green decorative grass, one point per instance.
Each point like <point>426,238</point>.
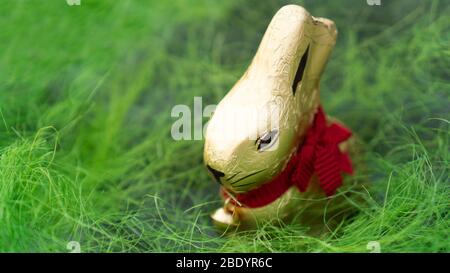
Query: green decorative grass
<point>85,148</point>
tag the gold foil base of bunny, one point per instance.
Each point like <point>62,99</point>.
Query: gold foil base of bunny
<point>231,217</point>
<point>314,211</point>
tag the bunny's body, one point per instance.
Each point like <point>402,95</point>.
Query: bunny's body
<point>283,82</point>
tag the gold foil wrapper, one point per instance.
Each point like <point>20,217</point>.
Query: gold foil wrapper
<point>281,86</point>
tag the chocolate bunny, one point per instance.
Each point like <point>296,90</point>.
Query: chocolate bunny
<point>292,150</point>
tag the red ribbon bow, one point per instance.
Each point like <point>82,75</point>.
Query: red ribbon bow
<point>318,154</point>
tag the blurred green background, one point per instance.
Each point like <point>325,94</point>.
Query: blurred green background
<point>85,98</point>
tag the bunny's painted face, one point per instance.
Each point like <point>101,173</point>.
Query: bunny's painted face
<point>260,122</point>
<point>245,145</point>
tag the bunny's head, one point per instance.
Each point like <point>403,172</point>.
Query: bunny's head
<point>260,123</point>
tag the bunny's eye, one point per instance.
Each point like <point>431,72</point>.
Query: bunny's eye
<point>267,140</point>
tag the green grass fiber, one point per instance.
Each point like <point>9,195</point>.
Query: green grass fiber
<point>85,148</point>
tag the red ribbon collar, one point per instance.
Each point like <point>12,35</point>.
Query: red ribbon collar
<point>319,154</point>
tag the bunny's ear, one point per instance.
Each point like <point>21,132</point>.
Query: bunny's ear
<point>284,43</point>
<point>312,61</point>
<point>323,39</point>
<point>294,48</point>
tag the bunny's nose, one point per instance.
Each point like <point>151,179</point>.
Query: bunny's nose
<point>217,174</point>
